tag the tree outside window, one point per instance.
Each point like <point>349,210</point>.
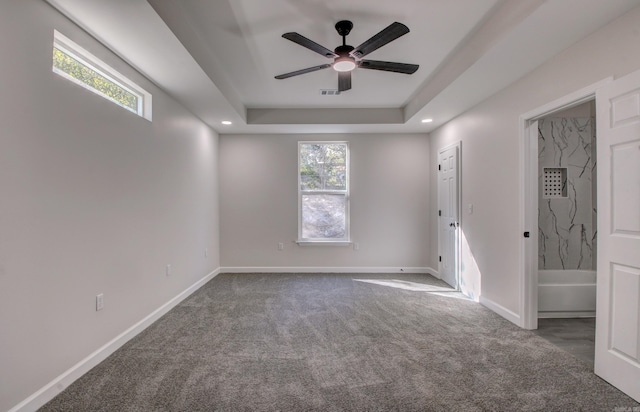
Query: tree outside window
<point>323,191</point>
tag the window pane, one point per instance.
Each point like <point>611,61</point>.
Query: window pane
<point>323,166</point>
<point>334,177</point>
<point>310,177</point>
<point>323,216</point>
<point>309,169</point>
<point>94,80</point>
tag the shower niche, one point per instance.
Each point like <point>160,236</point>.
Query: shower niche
<point>554,182</point>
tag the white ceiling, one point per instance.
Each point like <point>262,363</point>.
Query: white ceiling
<point>219,57</point>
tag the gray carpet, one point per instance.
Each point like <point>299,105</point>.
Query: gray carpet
<point>343,342</point>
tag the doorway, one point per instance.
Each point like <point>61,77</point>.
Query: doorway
<point>561,177</point>
<point>567,212</point>
<point>566,230</point>
<point>449,214</point>
<point>617,342</point>
<point>531,196</point>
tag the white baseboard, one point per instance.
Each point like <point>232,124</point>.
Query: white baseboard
<point>322,269</point>
<point>53,388</point>
<point>500,310</point>
<point>433,273</point>
<point>566,315</point>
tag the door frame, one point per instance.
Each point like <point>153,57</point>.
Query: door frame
<point>529,197</point>
<point>456,257</point>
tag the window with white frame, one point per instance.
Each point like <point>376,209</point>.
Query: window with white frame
<point>323,191</point>
<point>81,67</point>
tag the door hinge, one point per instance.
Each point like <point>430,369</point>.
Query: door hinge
<point>439,212</point>
<point>439,258</point>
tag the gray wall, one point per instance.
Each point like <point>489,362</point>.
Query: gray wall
<point>94,199</point>
<point>490,133</point>
<point>390,188</point>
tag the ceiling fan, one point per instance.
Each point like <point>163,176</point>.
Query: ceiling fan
<point>346,58</point>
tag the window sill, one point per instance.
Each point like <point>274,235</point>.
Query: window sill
<point>323,243</point>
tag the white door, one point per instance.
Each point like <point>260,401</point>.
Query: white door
<point>448,214</point>
<point>617,358</point>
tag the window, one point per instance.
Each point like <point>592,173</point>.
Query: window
<point>323,192</point>
<point>81,67</point>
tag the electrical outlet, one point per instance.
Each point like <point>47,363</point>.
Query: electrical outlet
<point>280,246</point>
<point>99,302</point>
<point>168,270</point>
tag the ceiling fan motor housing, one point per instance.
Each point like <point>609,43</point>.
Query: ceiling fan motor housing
<point>344,27</point>
<point>343,51</point>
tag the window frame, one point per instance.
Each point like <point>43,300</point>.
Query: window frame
<point>82,56</point>
<point>346,240</point>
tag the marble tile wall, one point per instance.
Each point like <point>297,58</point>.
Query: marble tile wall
<point>566,225</point>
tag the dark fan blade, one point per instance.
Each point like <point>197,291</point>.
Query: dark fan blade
<point>309,44</point>
<point>303,71</point>
<point>389,66</point>
<point>344,81</point>
<point>392,32</point>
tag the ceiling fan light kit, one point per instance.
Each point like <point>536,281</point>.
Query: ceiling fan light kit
<point>347,58</point>
<point>344,64</point>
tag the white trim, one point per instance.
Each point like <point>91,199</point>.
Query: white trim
<point>433,272</point>
<point>53,388</point>
<point>529,247</point>
<point>322,243</point>
<point>322,269</point>
<point>500,310</point>
<point>528,199</point>
<point>560,315</point>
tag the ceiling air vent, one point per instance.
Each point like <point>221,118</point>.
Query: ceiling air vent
<point>329,92</point>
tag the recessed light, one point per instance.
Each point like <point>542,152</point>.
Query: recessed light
<point>226,122</point>
<point>427,120</point>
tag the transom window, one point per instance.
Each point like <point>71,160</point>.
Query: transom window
<point>79,66</point>
<point>323,191</point>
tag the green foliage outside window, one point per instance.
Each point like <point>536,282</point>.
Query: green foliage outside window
<point>94,80</point>
<point>323,191</point>
<point>323,166</point>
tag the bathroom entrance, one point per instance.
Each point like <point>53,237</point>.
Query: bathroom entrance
<point>559,208</point>
<point>560,212</point>
<point>567,223</point>
<point>617,346</point>
<point>567,212</point>
<point>566,227</point>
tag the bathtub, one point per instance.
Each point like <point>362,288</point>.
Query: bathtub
<point>566,293</point>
